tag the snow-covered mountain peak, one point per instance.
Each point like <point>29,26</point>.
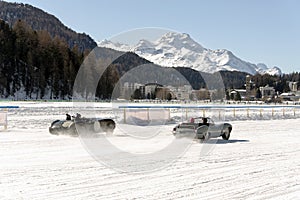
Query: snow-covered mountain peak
<point>179,41</point>
<point>180,50</point>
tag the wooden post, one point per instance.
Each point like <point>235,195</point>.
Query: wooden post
<point>248,112</point>
<point>272,112</point>
<point>283,111</point>
<point>169,117</point>
<point>186,114</point>
<point>219,115</point>
<point>234,112</point>
<point>260,112</point>
<point>148,114</point>
<point>124,115</point>
<point>6,124</point>
<point>294,112</point>
<point>3,118</point>
<point>203,113</point>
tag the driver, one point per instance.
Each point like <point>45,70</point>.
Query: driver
<point>68,117</point>
<point>205,121</point>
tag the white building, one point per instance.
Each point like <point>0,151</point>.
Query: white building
<point>150,89</point>
<point>182,92</point>
<point>267,91</point>
<point>293,86</point>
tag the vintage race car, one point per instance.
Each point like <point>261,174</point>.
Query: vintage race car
<point>71,125</point>
<point>203,128</point>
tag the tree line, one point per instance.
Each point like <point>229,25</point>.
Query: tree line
<point>34,65</point>
<point>279,82</point>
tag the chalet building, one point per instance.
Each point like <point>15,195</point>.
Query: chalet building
<point>241,92</point>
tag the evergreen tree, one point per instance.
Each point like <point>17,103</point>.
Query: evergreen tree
<point>258,94</point>
<point>227,95</point>
<point>137,94</point>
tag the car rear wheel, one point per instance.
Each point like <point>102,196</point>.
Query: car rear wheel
<point>226,134</point>
<point>109,127</point>
<point>72,130</point>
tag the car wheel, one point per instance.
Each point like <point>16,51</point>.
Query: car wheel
<point>72,130</point>
<point>53,132</point>
<point>110,128</point>
<point>226,134</point>
<point>205,137</point>
<point>97,127</point>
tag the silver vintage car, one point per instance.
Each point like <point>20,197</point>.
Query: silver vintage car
<point>203,128</point>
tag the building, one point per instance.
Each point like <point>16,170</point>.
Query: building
<point>201,94</point>
<point>267,92</point>
<point>150,90</point>
<point>155,90</point>
<point>164,93</point>
<point>293,95</point>
<point>182,92</point>
<point>293,86</point>
<point>241,92</point>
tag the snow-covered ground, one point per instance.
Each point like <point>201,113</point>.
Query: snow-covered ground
<point>260,161</point>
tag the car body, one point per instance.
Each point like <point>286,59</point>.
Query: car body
<point>71,125</point>
<point>203,128</point>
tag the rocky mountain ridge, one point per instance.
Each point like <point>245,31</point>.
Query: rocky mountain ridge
<point>180,50</point>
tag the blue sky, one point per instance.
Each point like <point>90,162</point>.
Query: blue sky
<point>257,31</point>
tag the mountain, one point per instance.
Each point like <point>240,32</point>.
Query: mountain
<point>180,50</point>
<point>37,19</point>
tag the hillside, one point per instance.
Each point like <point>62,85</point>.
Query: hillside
<point>37,19</point>
<point>35,66</point>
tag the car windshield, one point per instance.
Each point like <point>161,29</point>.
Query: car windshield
<point>202,120</point>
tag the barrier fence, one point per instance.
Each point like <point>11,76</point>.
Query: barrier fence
<point>216,112</point>
<point>3,115</point>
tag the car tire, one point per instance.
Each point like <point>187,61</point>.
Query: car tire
<point>97,127</point>
<point>226,134</point>
<point>72,130</point>
<point>110,128</point>
<point>205,137</point>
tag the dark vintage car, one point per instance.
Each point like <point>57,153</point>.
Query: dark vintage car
<point>203,128</point>
<point>71,125</point>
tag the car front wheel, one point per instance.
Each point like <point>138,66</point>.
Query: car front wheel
<point>226,134</point>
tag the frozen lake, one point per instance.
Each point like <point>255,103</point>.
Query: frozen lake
<point>260,161</point>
